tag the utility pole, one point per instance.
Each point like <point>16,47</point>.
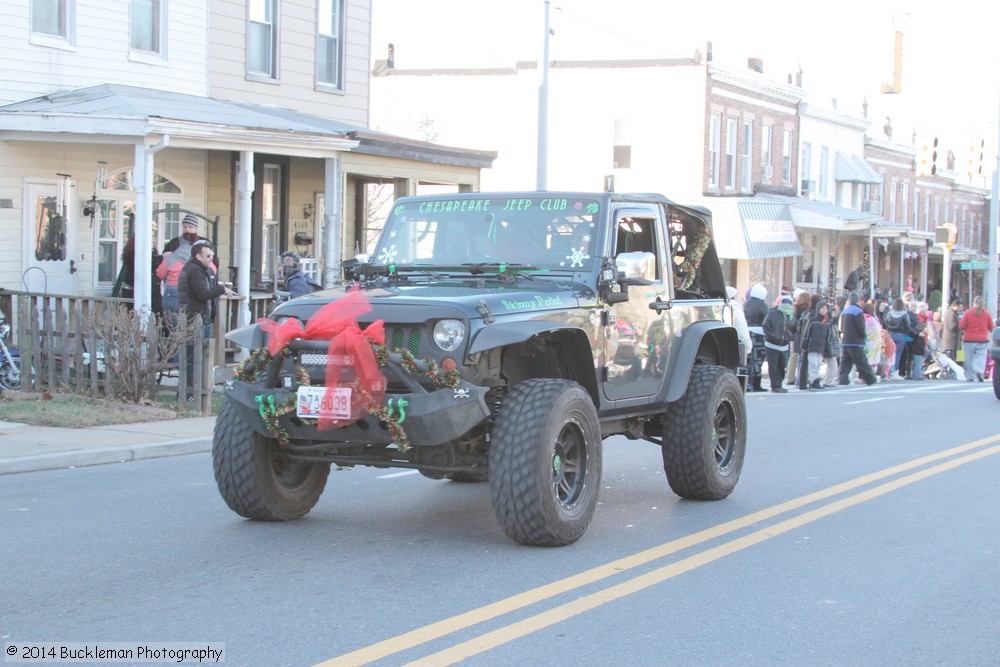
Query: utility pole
<point>991,272</point>
<point>543,111</point>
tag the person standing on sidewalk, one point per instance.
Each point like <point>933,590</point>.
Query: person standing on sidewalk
<point>897,321</point>
<point>852,327</point>
<point>198,290</point>
<point>755,311</point>
<point>977,326</point>
<point>950,332</point>
<point>800,309</point>
<point>777,336</point>
<point>816,344</point>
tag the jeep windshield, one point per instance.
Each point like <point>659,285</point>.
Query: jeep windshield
<point>550,233</point>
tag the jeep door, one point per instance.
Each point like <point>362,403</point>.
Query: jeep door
<point>637,338</point>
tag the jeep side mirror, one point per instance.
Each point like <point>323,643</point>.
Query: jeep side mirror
<point>636,268</point>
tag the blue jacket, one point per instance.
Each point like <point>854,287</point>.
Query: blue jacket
<point>297,284</point>
<point>852,326</point>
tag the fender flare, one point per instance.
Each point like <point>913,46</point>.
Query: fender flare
<point>683,359</point>
<point>509,333</point>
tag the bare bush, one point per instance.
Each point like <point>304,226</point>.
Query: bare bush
<point>137,349</point>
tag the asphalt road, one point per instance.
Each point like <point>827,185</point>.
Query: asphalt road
<point>863,532</point>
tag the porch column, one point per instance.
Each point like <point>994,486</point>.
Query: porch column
<point>333,233</point>
<point>244,227</point>
<point>142,177</point>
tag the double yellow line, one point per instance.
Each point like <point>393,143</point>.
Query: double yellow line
<point>949,459</point>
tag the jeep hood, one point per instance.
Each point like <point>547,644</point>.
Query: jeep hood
<point>466,295</point>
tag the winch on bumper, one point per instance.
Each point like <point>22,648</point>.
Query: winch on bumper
<point>428,417</point>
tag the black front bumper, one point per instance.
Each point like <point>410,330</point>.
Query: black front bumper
<point>432,417</point>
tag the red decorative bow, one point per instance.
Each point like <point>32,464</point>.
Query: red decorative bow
<point>349,347</point>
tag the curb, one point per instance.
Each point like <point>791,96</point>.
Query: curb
<point>78,458</point>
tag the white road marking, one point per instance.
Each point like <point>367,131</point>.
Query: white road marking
<point>872,400</point>
<point>398,474</point>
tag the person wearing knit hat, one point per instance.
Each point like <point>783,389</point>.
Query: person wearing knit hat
<point>294,281</point>
<point>176,254</point>
<point>755,310</point>
<point>777,334</point>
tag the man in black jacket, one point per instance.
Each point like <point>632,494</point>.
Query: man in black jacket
<point>198,289</point>
<point>852,327</point>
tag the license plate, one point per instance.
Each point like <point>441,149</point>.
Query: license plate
<point>319,402</point>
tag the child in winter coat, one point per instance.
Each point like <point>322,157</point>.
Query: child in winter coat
<point>817,343</point>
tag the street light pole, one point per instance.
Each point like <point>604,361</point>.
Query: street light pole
<point>991,272</point>
<point>543,110</point>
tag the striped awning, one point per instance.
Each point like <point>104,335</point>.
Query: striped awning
<point>748,228</point>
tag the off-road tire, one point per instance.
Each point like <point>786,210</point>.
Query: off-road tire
<point>255,478</point>
<point>545,462</point>
<point>705,435</point>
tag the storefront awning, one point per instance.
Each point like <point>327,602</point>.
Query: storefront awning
<point>824,215</point>
<point>747,228</point>
<point>854,169</point>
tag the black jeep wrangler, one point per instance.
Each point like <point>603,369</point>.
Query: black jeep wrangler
<point>509,334</point>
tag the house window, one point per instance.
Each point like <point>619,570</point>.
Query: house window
<point>916,209</point>
<point>713,150</point>
<point>786,157</point>
<point>328,43</point>
<point>765,150</point>
<point>892,201</point>
<point>146,30</point>
<point>53,18</point>
<point>927,212</point>
<point>731,153</point>
<point>904,191</point>
<point>805,168</point>
<point>824,171</point>
<point>262,38</point>
<point>747,180</point>
<point>271,217</point>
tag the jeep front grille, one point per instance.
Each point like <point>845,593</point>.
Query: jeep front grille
<point>400,338</point>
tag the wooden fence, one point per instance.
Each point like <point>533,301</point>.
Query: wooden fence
<point>60,352</point>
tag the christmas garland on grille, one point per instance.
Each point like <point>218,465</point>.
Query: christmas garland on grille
<point>391,414</point>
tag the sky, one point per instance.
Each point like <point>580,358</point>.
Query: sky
<point>844,49</point>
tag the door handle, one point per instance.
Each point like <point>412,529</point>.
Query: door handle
<point>72,266</point>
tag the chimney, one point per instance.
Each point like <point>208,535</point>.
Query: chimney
<point>390,61</point>
<point>708,51</point>
<point>756,64</point>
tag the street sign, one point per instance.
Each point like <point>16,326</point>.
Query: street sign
<point>965,266</point>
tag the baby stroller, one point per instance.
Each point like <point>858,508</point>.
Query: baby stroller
<point>939,365</point>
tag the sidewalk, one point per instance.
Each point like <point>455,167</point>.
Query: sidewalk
<point>26,448</point>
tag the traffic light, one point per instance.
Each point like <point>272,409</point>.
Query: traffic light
<point>927,157</point>
<point>975,169</point>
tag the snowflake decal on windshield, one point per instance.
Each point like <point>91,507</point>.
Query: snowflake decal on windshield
<point>388,255</point>
<point>577,256</point>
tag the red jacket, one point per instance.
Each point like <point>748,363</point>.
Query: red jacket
<point>977,327</point>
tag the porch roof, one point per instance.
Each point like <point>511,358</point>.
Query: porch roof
<point>824,215</point>
<point>131,114</point>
